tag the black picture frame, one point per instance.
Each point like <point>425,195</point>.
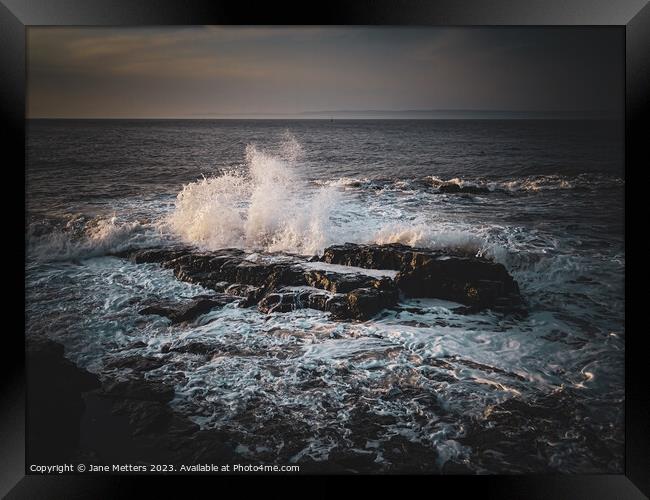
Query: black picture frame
<point>15,15</point>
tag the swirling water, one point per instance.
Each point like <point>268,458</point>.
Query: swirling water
<point>420,388</point>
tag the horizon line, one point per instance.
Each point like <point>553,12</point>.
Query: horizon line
<point>294,118</point>
<point>404,114</point>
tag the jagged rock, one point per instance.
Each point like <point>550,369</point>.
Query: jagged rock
<point>470,281</point>
<point>451,275</point>
<point>457,276</point>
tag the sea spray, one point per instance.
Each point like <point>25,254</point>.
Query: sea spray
<point>266,206</point>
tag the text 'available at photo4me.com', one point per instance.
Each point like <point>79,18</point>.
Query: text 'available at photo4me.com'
<point>158,468</point>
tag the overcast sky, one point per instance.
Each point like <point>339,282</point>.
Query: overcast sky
<point>201,72</point>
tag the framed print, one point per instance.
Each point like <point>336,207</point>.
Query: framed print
<point>378,239</point>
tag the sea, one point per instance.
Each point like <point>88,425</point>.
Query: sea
<point>480,393</point>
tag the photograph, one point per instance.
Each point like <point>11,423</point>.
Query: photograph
<point>325,249</point>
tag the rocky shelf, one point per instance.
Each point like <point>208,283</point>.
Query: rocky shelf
<point>351,281</point>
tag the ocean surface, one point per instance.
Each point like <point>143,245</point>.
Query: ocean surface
<point>484,392</point>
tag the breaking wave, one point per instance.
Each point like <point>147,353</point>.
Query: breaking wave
<point>267,205</point>
<point>80,236</point>
<point>263,206</point>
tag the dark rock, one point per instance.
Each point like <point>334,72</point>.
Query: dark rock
<point>69,420</point>
<point>455,188</point>
<point>515,425</point>
<point>392,256</point>
<point>136,363</point>
<point>135,345</point>
<point>139,389</point>
<point>144,416</point>
<point>196,348</point>
<point>203,349</point>
<point>450,275</point>
<point>155,255</point>
<point>157,310</point>
<point>358,304</point>
<point>364,303</point>
<point>54,401</point>
<point>344,283</point>
<point>212,270</point>
<point>187,312</point>
<point>279,302</point>
<point>469,280</point>
<point>250,294</point>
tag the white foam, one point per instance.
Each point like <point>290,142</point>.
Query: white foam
<point>424,236</point>
<point>81,238</point>
<point>533,183</point>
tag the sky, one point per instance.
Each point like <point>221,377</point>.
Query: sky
<point>315,72</point>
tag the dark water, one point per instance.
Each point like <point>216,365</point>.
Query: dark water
<point>482,392</point>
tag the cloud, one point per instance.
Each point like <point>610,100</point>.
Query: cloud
<point>174,70</point>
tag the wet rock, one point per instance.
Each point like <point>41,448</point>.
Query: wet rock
<point>469,280</point>
<point>203,349</point>
<point>251,295</point>
<point>344,283</point>
<point>449,275</point>
<point>135,345</point>
<point>514,428</point>
<point>220,269</point>
<point>153,255</point>
<point>364,303</point>
<point>157,310</point>
<point>280,302</point>
<point>188,312</point>
<point>136,363</point>
<point>359,304</point>
<point>196,348</point>
<point>391,256</point>
<point>455,275</point>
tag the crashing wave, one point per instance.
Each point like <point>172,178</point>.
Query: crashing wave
<point>264,206</point>
<point>83,237</point>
